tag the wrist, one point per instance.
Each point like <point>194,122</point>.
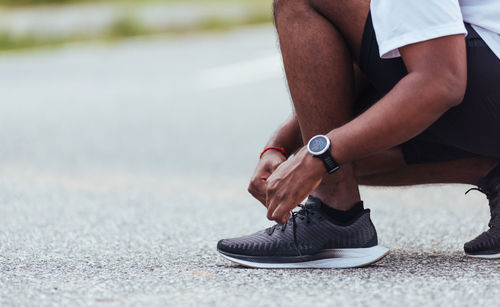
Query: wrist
<point>313,165</point>
<point>319,147</point>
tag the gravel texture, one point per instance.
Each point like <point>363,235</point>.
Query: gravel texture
<point>121,169</point>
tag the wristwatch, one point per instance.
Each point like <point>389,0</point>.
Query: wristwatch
<point>319,147</point>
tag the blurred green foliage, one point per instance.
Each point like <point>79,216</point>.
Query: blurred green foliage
<point>42,2</point>
<point>9,42</point>
<point>35,2</point>
<point>128,25</point>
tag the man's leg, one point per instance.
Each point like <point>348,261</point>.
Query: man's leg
<point>390,169</point>
<point>319,70</point>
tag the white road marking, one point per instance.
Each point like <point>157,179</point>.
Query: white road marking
<point>238,74</point>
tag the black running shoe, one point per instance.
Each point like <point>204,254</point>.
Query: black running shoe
<point>487,244</point>
<point>310,239</point>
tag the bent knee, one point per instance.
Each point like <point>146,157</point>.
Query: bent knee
<point>290,9</point>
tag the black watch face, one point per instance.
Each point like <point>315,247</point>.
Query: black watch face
<point>318,144</point>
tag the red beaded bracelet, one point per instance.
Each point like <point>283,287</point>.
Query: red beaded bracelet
<point>280,149</point>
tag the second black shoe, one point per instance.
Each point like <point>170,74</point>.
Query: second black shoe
<point>310,239</point>
<point>487,244</point>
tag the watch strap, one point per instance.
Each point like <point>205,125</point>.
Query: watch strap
<point>329,162</point>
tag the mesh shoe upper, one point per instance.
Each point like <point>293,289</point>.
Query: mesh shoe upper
<point>306,232</point>
<point>489,241</point>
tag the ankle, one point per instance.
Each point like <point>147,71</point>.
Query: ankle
<point>342,201</point>
<point>340,190</point>
<point>344,217</point>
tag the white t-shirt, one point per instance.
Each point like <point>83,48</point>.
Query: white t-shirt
<point>398,23</point>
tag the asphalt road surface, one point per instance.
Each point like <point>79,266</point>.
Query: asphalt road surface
<point>123,164</point>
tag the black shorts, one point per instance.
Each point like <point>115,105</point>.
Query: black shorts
<point>467,130</point>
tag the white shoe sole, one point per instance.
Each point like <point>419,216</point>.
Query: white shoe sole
<point>492,256</point>
<point>339,258</point>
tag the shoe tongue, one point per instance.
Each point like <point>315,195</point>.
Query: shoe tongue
<point>313,203</point>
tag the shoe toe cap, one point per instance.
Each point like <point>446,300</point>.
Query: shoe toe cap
<point>228,246</point>
<point>223,245</point>
<point>476,245</point>
<point>486,242</point>
<point>469,247</point>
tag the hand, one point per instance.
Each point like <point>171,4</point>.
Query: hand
<point>269,161</point>
<point>291,183</point>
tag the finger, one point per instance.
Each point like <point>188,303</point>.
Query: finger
<point>287,217</point>
<point>262,190</point>
<point>284,218</point>
<point>282,213</point>
<point>259,196</point>
<point>270,204</point>
<point>270,209</point>
<point>257,188</point>
<point>262,199</point>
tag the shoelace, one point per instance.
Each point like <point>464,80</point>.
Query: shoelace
<point>304,212</point>
<point>478,189</point>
